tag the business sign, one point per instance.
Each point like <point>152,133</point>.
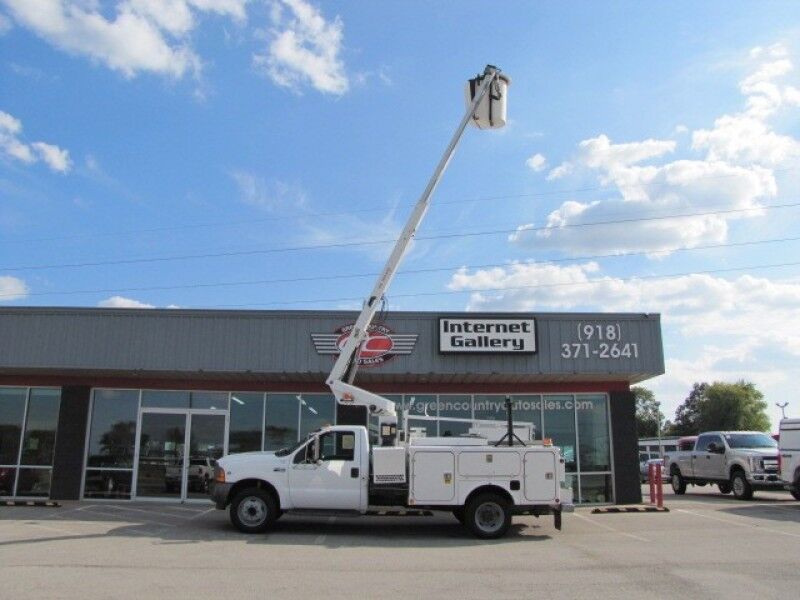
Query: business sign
<point>516,336</point>
<point>381,345</point>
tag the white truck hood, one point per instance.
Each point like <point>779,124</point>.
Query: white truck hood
<point>238,464</point>
<point>756,451</point>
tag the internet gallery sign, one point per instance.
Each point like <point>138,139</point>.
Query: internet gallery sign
<point>487,335</point>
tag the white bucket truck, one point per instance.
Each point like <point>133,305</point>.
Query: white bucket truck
<point>337,471</point>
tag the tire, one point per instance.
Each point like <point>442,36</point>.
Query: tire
<point>796,494</point>
<point>678,483</point>
<point>724,487</point>
<point>741,489</point>
<point>458,513</point>
<point>253,510</point>
<point>488,516</point>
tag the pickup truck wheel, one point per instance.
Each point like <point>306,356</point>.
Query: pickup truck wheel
<point>678,483</point>
<point>741,489</point>
<point>488,516</point>
<point>724,487</point>
<point>253,510</point>
<point>796,494</point>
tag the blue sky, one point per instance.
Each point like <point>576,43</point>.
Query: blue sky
<point>141,129</point>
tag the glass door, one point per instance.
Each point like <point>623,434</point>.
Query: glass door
<point>162,443</point>
<point>176,451</point>
<point>206,444</point>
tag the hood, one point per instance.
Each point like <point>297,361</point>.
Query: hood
<point>766,452</point>
<point>246,458</point>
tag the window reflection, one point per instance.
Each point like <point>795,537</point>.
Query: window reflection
<point>595,444</point>
<point>459,407</point>
<point>316,410</point>
<point>40,428</point>
<point>559,425</point>
<point>113,428</point>
<point>281,418</point>
<point>247,410</point>
<point>12,412</point>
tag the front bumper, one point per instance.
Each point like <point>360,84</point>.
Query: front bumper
<point>220,493</point>
<point>766,481</point>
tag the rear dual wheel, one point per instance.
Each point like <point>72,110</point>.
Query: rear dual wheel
<point>488,516</point>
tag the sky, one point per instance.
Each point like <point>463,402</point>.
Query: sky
<point>261,154</point>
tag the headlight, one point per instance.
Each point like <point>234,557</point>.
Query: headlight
<point>756,464</point>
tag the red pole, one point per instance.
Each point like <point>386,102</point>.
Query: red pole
<point>651,479</point>
<point>660,488</point>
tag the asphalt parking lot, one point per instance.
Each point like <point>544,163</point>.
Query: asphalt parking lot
<point>707,545</point>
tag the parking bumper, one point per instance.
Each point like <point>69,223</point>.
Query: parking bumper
<point>220,493</point>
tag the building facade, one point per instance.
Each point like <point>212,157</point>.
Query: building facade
<point>135,404</point>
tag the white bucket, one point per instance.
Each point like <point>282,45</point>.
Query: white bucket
<point>491,112</point>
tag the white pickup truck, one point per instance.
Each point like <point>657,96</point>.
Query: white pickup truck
<point>789,447</point>
<point>737,461</point>
<point>337,471</point>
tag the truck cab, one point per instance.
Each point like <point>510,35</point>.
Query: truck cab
<point>336,471</point>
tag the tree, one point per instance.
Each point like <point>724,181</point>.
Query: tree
<point>648,412</point>
<point>721,407</point>
<point>687,414</point>
<point>733,406</point>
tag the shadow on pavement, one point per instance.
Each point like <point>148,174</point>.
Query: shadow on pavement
<point>167,524</point>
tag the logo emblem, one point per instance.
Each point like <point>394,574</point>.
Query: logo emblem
<point>381,345</point>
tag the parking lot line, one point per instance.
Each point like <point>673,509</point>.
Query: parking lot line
<point>739,523</point>
<point>609,528</point>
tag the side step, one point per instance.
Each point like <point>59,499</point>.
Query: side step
<point>47,503</point>
<point>399,513</point>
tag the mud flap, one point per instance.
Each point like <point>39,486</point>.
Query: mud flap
<point>557,519</point>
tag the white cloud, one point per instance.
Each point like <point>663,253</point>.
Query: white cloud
<point>256,191</point>
<point>10,144</point>
<point>747,309</point>
<point>12,288</point>
<point>122,302</point>
<point>55,157</point>
<point>134,36</point>
<point>560,171</point>
<point>537,162</point>
<point>737,172</point>
<point>5,24</point>
<point>304,48</point>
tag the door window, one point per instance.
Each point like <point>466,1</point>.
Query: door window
<point>702,443</point>
<point>337,445</point>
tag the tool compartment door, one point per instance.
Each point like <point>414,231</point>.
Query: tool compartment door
<point>488,463</point>
<point>433,476</point>
<point>541,477</point>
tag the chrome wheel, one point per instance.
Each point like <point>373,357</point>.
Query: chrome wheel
<point>738,486</point>
<point>252,511</point>
<point>489,517</point>
<point>676,482</point>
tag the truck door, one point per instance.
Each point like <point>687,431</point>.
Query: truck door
<point>334,482</point>
<point>713,458</point>
<point>700,456</point>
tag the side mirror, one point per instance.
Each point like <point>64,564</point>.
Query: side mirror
<point>315,450</point>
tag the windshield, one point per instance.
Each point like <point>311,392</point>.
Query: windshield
<point>287,451</point>
<point>750,440</point>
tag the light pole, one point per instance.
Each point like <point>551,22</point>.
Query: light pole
<point>783,408</point>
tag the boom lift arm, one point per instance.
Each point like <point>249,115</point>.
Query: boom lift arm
<point>343,372</point>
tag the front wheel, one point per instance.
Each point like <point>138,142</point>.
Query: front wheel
<point>253,510</point>
<point>488,516</point>
<point>678,483</point>
<point>741,488</point>
<point>796,494</point>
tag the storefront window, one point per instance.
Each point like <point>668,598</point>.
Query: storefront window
<point>28,422</point>
<point>281,420</point>
<point>419,405</point>
<point>113,428</point>
<point>40,429</point>
<point>595,489</point>
<point>210,400</point>
<point>459,407</point>
<point>12,413</point>
<point>316,410</point>
<point>559,425</point>
<point>247,416</point>
<point>165,399</point>
<point>595,445</point>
